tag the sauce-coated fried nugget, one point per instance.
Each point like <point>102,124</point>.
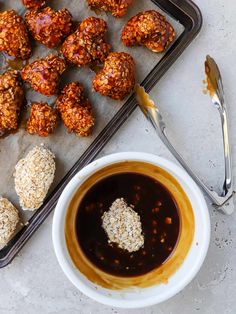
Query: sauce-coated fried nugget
<point>88,43</point>
<point>117,78</point>
<point>14,38</point>
<point>118,8</point>
<point>75,110</point>
<point>42,120</point>
<point>44,74</point>
<point>33,4</point>
<point>11,100</point>
<point>49,27</point>
<point>149,29</point>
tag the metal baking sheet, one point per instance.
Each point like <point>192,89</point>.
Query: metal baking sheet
<point>73,153</point>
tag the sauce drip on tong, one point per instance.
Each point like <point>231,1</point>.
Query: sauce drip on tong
<point>212,75</point>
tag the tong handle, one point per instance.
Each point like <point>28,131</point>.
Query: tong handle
<point>228,169</point>
<point>216,91</point>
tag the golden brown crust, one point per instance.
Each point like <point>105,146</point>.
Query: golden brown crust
<point>14,38</point>
<point>150,29</point>
<point>88,43</point>
<point>49,27</point>
<point>44,74</point>
<point>11,101</point>
<point>33,4</point>
<point>75,109</point>
<point>42,120</point>
<point>117,78</point>
<point>118,8</point>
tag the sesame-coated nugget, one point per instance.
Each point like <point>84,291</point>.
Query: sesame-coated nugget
<point>43,119</point>
<point>44,74</point>
<point>33,4</point>
<point>11,100</point>
<point>9,219</point>
<point>150,29</point>
<point>33,176</point>
<point>118,8</point>
<point>14,38</point>
<point>88,43</point>
<point>117,78</point>
<point>75,109</point>
<point>49,27</point>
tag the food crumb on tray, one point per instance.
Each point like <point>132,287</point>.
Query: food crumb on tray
<point>123,226</point>
<point>9,219</point>
<point>34,175</point>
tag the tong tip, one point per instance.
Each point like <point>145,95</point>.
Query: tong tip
<point>143,99</point>
<point>212,75</point>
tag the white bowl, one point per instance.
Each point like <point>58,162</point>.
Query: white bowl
<point>140,297</point>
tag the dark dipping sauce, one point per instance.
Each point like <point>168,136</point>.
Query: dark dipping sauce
<point>159,217</point>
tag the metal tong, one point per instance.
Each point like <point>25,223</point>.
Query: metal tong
<point>221,201</point>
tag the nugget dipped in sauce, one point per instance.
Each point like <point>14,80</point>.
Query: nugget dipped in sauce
<point>49,27</point>
<point>11,100</point>
<point>33,4</point>
<point>117,78</point>
<point>14,38</point>
<point>42,120</point>
<point>150,29</point>
<point>43,75</point>
<point>118,8</point>
<point>88,43</point>
<point>75,109</point>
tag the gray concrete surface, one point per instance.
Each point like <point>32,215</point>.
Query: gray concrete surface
<point>34,283</point>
